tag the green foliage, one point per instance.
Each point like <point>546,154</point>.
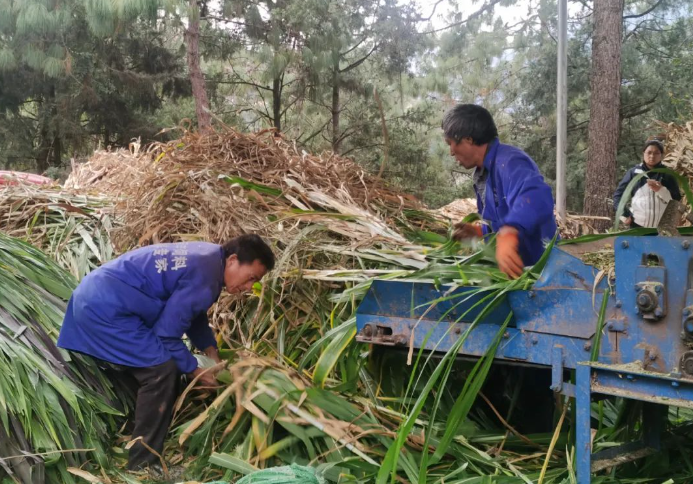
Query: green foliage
<point>70,83</point>
<point>54,406</point>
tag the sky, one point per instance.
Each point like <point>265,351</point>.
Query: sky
<point>509,14</point>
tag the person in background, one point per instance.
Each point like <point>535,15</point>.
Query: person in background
<point>131,313</point>
<point>512,196</point>
<point>652,193</point>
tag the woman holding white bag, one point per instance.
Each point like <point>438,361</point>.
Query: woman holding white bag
<point>652,193</point>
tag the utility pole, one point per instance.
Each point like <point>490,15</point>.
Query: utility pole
<point>562,108</point>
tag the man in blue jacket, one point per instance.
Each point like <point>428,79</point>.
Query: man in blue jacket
<point>131,313</point>
<point>511,195</point>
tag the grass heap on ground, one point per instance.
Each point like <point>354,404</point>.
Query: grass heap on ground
<point>56,411</point>
<point>73,228</point>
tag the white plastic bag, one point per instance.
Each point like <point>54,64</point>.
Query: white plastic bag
<point>647,206</point>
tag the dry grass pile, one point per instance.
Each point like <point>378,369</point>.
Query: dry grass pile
<point>110,172</point>
<point>219,185</point>
<point>574,226</point>
<point>679,148</point>
<point>458,209</point>
<point>74,229</point>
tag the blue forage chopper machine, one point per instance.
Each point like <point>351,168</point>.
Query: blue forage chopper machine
<point>646,348</point>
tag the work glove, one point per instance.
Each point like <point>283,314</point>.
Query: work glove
<point>465,231</point>
<point>507,255</point>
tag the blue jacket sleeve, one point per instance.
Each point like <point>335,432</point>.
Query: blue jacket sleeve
<point>618,194</point>
<point>200,334</point>
<point>485,229</point>
<point>175,321</point>
<point>673,186</point>
<point>529,198</point>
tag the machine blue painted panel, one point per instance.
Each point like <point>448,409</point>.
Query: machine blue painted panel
<point>565,271</point>
<point>424,301</point>
<point>555,311</point>
<point>654,270</point>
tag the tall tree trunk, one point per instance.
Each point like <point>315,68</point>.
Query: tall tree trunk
<point>335,108</point>
<point>604,123</point>
<point>44,149</point>
<point>192,42</point>
<point>57,151</point>
<point>277,102</point>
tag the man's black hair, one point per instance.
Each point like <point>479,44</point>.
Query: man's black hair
<point>248,248</point>
<point>469,121</point>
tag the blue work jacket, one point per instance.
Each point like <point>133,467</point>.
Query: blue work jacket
<point>135,309</point>
<point>517,195</point>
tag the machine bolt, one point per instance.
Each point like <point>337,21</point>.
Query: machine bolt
<point>687,363</point>
<point>653,356</point>
<point>619,304</point>
<point>629,377</point>
<point>368,330</point>
<point>659,312</point>
<point>609,325</point>
<point>401,340</point>
<point>685,244</point>
<point>688,328</point>
<point>686,311</point>
<point>531,294</point>
<point>458,330</point>
<point>535,340</point>
<point>675,384</point>
<point>506,335</point>
<point>646,301</point>
<point>624,244</point>
<point>637,310</point>
<point>658,289</point>
<point>588,346</point>
<point>638,288</point>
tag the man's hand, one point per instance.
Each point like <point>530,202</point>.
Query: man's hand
<point>207,379</point>
<point>464,231</point>
<point>213,353</point>
<point>507,255</point>
<point>629,221</point>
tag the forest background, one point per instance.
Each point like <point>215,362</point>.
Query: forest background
<point>368,79</point>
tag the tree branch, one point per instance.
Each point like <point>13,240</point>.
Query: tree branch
<point>245,83</point>
<point>435,6</point>
<point>638,15</point>
<point>322,128</point>
<point>478,13</point>
<point>360,61</point>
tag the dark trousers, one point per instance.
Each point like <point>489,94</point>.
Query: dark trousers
<point>156,389</point>
<point>156,396</point>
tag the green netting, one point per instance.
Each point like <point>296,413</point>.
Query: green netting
<point>293,474</point>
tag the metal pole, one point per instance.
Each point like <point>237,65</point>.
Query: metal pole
<point>562,108</point>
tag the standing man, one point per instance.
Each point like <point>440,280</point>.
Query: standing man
<point>511,195</point>
<point>133,311</point>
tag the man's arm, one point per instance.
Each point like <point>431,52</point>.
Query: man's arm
<point>176,320</point>
<point>202,337</point>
